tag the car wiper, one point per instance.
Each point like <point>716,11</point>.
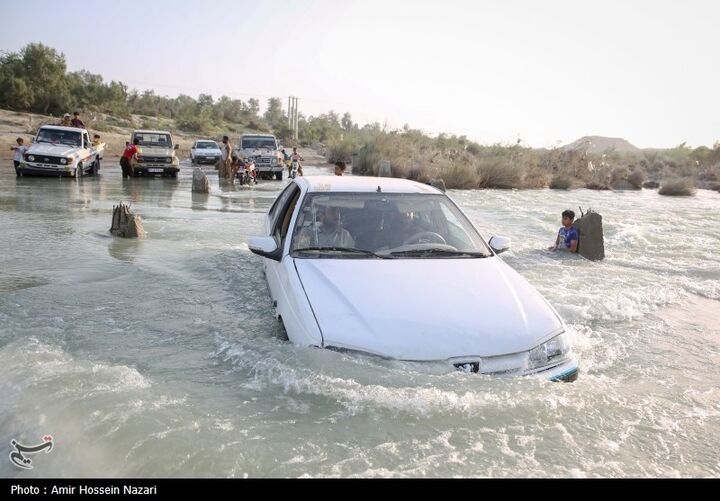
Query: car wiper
<point>438,252</point>
<point>348,250</point>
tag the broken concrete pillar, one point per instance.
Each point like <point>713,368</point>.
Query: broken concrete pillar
<point>591,244</point>
<point>200,183</point>
<point>126,224</point>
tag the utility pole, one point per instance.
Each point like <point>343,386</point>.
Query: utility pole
<point>289,113</point>
<point>296,119</point>
<point>293,120</point>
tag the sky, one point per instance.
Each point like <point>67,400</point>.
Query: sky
<point>546,71</point>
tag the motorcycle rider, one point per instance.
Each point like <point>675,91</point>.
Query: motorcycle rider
<point>296,157</point>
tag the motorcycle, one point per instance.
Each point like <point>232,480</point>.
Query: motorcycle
<point>294,168</point>
<point>247,174</point>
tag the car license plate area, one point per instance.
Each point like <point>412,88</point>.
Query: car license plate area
<point>155,170</point>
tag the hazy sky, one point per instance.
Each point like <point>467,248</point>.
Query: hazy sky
<point>545,71</point>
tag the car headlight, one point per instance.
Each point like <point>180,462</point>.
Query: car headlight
<point>168,160</point>
<point>552,351</point>
<point>63,161</point>
<point>31,158</point>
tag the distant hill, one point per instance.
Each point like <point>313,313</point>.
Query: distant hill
<point>600,144</point>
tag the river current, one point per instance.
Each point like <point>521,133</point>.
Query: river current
<point>163,357</point>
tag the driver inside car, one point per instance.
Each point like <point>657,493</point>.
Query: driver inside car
<point>397,227</point>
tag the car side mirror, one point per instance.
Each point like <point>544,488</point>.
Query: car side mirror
<point>499,244</point>
<point>265,247</point>
<point>177,147</point>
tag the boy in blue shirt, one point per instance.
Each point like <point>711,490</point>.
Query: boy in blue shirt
<point>567,238</point>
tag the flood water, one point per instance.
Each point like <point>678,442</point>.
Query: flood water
<point>163,357</point>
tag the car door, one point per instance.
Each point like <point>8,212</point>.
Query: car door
<point>283,281</point>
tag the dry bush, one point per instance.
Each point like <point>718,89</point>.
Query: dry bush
<point>678,188</point>
<point>636,178</point>
<point>561,182</point>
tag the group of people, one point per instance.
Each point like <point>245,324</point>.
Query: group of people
<point>74,121</point>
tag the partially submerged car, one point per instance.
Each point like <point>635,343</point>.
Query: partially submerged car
<point>61,151</point>
<point>205,151</point>
<point>394,268</point>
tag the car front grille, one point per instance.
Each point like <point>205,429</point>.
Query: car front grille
<point>44,159</point>
<point>155,160</point>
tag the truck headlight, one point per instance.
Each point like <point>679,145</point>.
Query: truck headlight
<point>63,161</point>
<point>31,158</point>
<point>169,160</point>
<point>552,351</point>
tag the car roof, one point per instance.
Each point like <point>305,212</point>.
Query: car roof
<point>143,131</point>
<point>60,127</point>
<point>320,184</point>
<point>258,135</point>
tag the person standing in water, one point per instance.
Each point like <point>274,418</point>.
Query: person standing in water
<point>568,237</point>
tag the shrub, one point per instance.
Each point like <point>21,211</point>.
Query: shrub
<point>496,173</point>
<point>636,178</point>
<point>677,188</point>
<point>560,183</point>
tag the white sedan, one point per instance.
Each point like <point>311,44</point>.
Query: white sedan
<point>205,151</point>
<point>394,268</point>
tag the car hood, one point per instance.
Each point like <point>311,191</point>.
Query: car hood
<point>422,309</point>
<point>155,151</point>
<point>59,150</point>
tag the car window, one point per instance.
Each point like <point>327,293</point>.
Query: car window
<point>280,207</point>
<point>283,223</point>
<point>280,201</point>
<point>402,225</point>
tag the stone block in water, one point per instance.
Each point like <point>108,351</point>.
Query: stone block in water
<point>126,224</point>
<point>592,243</point>
<point>200,183</point>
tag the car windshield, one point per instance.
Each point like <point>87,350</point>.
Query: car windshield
<point>54,136</point>
<point>384,225</point>
<point>207,145</point>
<point>256,143</point>
<point>153,139</point>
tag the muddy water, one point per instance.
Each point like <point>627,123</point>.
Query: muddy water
<point>162,357</point>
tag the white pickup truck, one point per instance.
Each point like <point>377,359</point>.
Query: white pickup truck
<point>263,149</point>
<point>61,151</point>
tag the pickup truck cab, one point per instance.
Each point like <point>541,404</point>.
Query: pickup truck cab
<point>262,149</point>
<point>156,153</point>
<point>61,151</point>
<point>205,151</point>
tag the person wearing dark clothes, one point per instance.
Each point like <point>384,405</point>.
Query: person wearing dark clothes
<point>76,122</point>
<point>568,237</point>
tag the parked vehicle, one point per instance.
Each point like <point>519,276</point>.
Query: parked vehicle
<point>264,150</point>
<point>157,153</point>
<point>394,268</point>
<point>61,151</point>
<point>205,151</point>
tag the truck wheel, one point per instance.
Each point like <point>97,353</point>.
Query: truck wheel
<point>95,167</point>
<point>278,176</point>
